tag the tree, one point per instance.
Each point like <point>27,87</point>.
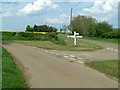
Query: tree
<point>35,28</point>
<point>54,29</point>
<point>64,28</point>
<point>28,29</point>
<point>41,28</point>
<point>82,24</point>
<point>102,29</point>
<point>61,30</point>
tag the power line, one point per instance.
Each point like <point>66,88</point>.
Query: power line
<point>71,14</point>
<point>76,5</point>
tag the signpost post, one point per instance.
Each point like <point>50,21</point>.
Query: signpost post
<point>74,36</point>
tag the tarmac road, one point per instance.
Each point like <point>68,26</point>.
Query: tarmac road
<point>48,71</point>
<point>109,52</point>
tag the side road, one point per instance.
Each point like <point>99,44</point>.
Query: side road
<point>47,71</point>
<point>109,52</point>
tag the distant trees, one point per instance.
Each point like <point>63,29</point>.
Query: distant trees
<point>64,28</point>
<point>41,28</point>
<point>88,26</point>
<point>35,28</point>
<point>29,29</point>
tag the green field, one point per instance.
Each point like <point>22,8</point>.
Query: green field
<point>113,41</point>
<point>109,67</point>
<point>12,77</point>
<point>65,44</point>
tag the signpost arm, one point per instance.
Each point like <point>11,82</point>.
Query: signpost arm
<point>75,37</point>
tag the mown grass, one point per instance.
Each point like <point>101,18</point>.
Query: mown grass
<point>113,41</point>
<point>12,77</point>
<point>109,67</point>
<point>63,44</point>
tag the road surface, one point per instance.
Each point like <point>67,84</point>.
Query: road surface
<point>109,52</point>
<point>45,70</point>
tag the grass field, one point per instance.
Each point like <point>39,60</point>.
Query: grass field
<point>113,41</point>
<point>81,45</point>
<point>12,77</point>
<point>109,67</point>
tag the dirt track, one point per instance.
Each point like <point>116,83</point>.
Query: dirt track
<point>48,71</point>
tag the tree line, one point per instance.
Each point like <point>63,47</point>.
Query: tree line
<point>88,26</point>
<point>40,28</point>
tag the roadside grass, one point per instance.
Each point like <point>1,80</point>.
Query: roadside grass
<point>12,77</point>
<point>67,44</point>
<point>108,67</point>
<point>113,41</point>
<point>0,67</point>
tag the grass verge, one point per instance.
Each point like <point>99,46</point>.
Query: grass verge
<point>63,44</point>
<point>0,67</point>
<point>12,77</point>
<point>109,67</point>
<point>113,41</point>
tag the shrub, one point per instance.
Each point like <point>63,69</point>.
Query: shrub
<point>53,35</point>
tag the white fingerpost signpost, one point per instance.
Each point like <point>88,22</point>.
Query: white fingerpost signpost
<point>74,36</point>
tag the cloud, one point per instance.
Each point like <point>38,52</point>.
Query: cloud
<point>103,11</point>
<point>62,19</point>
<point>63,16</point>
<point>55,21</point>
<point>37,6</point>
<point>102,7</point>
<point>6,14</point>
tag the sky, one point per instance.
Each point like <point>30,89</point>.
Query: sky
<point>17,14</point>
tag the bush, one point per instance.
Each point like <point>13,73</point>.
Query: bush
<point>8,35</point>
<point>113,34</point>
<point>59,41</point>
<point>29,36</point>
<point>53,35</point>
<point>23,34</point>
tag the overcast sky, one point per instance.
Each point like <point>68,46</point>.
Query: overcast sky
<point>16,15</point>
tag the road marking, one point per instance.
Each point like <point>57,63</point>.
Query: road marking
<point>108,48</point>
<point>112,49</point>
<point>80,61</point>
<point>79,58</point>
<point>46,51</point>
<point>65,56</point>
<point>72,56</point>
<point>116,50</point>
<point>34,47</point>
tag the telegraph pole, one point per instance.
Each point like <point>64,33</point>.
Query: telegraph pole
<point>46,22</point>
<point>71,19</point>
<point>71,15</point>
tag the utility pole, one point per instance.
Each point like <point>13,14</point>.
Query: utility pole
<point>46,22</point>
<point>71,20</point>
<point>72,15</point>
